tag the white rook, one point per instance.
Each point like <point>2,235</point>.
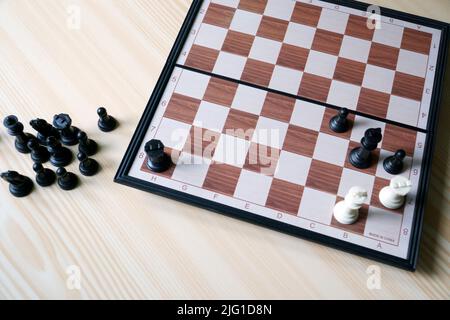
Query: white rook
<point>393,196</point>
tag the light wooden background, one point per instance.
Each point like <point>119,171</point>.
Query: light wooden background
<point>130,244</point>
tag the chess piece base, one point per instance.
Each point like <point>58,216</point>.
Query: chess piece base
<point>71,140</point>
<point>69,183</point>
<point>90,149</point>
<point>108,126</point>
<point>91,170</point>
<point>46,179</point>
<point>23,147</point>
<point>391,200</point>
<point>355,161</point>
<point>62,161</point>
<point>161,166</point>
<point>345,215</point>
<point>22,190</point>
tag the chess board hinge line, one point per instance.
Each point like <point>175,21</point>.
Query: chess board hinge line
<point>323,104</point>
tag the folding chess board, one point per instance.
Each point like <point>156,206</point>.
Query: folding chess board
<point>243,108</point>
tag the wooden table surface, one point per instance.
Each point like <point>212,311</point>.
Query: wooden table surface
<point>130,244</point>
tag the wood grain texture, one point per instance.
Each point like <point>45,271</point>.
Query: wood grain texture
<point>131,244</point>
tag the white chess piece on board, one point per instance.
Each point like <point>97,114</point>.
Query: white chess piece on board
<point>393,196</point>
<point>347,211</point>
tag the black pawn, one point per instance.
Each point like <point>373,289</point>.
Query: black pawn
<point>59,155</point>
<point>15,129</point>
<point>394,164</point>
<point>44,130</point>
<point>44,177</point>
<point>66,180</point>
<point>158,161</point>
<point>361,157</point>
<point>86,145</point>
<point>38,152</point>
<point>19,185</point>
<point>106,123</point>
<point>68,133</point>
<point>88,167</point>
<point>339,123</point>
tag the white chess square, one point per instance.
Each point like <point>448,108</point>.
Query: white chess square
<point>246,22</point>
<point>281,9</point>
<point>389,34</point>
<point>384,225</point>
<point>211,36</point>
<point>412,63</point>
<point>253,187</point>
<point>407,166</point>
<point>379,79</point>
<point>331,149</point>
<point>321,64</point>
<point>360,126</point>
<point>286,80</point>
<point>317,206</point>
<point>404,110</point>
<point>265,50</point>
<point>192,84</point>
<point>270,132</point>
<point>231,150</point>
<point>249,99</point>
<point>230,65</point>
<point>191,169</point>
<point>333,21</point>
<point>308,115</point>
<point>344,94</point>
<point>293,168</point>
<point>355,49</point>
<point>227,3</point>
<point>352,178</point>
<point>211,116</point>
<point>173,133</point>
<point>300,35</point>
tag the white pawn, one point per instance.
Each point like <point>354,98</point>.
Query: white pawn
<point>393,196</point>
<point>347,211</point>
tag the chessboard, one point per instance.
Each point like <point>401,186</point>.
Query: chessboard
<point>243,110</point>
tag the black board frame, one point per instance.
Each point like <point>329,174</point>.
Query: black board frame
<point>410,263</point>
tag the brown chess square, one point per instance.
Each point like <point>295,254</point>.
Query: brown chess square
<point>327,41</point>
<point>407,86</point>
<point>258,72</point>
<point>238,43</point>
<point>222,178</point>
<point>306,14</point>
<point>396,138</point>
<point>219,15</point>
<point>324,177</point>
<point>383,56</point>
<point>202,58</point>
<point>372,170</point>
<point>359,226</point>
<point>240,124</point>
<point>380,183</point>
<point>315,87</point>
<point>285,197</point>
<point>325,128</point>
<point>300,140</point>
<point>350,71</point>
<point>417,41</point>
<point>373,102</point>
<point>201,142</point>
<point>182,108</point>
<point>174,155</point>
<point>220,92</point>
<point>357,27</point>
<point>262,159</point>
<point>293,57</point>
<point>278,107</point>
<point>272,28</point>
<point>256,6</point>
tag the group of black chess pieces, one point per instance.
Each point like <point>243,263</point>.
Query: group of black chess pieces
<point>49,145</point>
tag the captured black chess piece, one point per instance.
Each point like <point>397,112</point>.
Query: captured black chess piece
<point>86,145</point>
<point>339,123</point>
<point>19,185</point>
<point>66,180</point>
<point>394,164</point>
<point>38,153</point>
<point>106,123</point>
<point>59,156</point>
<point>158,160</point>
<point>44,177</point>
<point>88,167</point>
<point>44,130</point>
<point>15,129</point>
<point>361,157</point>
<point>68,133</point>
